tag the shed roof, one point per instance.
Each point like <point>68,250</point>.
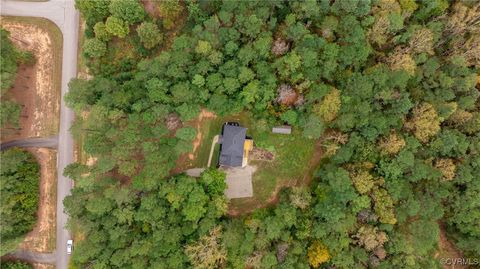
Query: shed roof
<point>284,129</point>
<point>233,140</point>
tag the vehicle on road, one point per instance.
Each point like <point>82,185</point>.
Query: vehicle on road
<point>69,246</point>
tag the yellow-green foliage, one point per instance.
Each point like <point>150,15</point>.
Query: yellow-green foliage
<point>318,254</point>
<point>327,109</point>
<point>424,122</point>
<point>391,144</point>
<point>384,207</point>
<point>363,181</point>
<point>447,167</point>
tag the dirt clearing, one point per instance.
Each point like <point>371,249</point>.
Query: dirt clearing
<point>37,87</point>
<point>448,251</point>
<point>42,237</point>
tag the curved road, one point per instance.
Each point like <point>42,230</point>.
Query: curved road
<point>37,142</point>
<point>64,15</point>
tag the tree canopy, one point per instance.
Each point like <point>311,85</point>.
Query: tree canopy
<point>20,179</point>
<point>388,89</point>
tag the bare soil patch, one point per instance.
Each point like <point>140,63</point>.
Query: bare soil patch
<point>448,250</point>
<point>37,87</point>
<point>42,237</point>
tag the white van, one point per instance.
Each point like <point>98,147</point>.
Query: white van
<point>69,246</point>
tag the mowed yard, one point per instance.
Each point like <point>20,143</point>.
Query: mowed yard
<point>291,165</point>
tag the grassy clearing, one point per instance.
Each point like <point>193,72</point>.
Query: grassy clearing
<point>291,165</point>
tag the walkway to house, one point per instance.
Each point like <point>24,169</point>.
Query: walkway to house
<point>212,149</point>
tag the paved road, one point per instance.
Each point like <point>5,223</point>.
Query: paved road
<point>64,15</point>
<point>29,256</point>
<point>35,142</point>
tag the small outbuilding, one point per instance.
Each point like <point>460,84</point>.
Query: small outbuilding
<point>284,129</point>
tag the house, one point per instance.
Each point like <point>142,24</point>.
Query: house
<point>284,129</point>
<point>234,145</point>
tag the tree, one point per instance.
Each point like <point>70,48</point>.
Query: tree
<point>94,11</point>
<point>424,122</point>
<point>364,181</point>
<point>149,34</point>
<point>8,65</point>
<point>391,144</point>
<point>94,48</point>
<point>400,60</point>
<point>207,252</point>
<point>384,207</point>
<point>101,32</point>
<point>9,113</point>
<point>130,11</point>
<point>213,181</point>
<point>317,254</point>
<point>186,133</point>
<point>170,11</point>
<point>117,27</point>
<point>330,105</point>
<point>447,167</point>
<point>370,237</point>
<point>19,180</point>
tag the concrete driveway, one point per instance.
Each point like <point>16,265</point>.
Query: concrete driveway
<point>239,181</point>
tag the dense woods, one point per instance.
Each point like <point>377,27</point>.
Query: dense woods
<point>390,87</point>
<point>19,187</point>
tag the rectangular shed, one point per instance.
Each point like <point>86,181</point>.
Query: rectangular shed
<point>284,129</point>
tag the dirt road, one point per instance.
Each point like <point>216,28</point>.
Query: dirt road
<point>34,142</point>
<point>64,15</point>
<point>29,256</point>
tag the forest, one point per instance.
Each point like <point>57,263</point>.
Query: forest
<point>19,188</point>
<point>390,88</point>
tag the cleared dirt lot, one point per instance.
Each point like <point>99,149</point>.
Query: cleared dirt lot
<point>37,87</point>
<point>42,237</point>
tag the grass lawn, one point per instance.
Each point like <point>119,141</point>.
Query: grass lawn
<point>291,165</point>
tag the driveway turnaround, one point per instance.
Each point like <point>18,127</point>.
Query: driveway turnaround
<point>64,15</point>
<point>239,181</point>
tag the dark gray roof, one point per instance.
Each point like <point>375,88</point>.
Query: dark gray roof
<point>233,139</point>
